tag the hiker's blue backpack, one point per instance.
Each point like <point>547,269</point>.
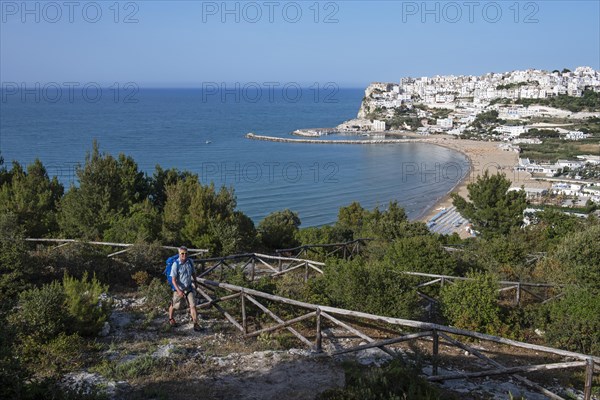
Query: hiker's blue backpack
<point>167,272</point>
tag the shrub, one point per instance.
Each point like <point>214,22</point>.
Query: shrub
<point>78,258</point>
<point>579,255</point>
<point>147,258</point>
<point>60,354</point>
<point>14,268</point>
<point>394,381</point>
<point>14,375</point>
<point>573,321</point>
<point>420,254</point>
<point>157,294</point>
<point>141,278</point>
<point>472,304</point>
<point>83,304</point>
<point>140,366</point>
<point>278,230</point>
<point>371,288</point>
<point>41,312</point>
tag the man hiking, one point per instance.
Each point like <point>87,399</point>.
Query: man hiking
<point>183,276</point>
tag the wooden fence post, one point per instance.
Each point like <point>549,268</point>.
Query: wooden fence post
<point>252,267</point>
<point>244,321</point>
<point>518,295</point>
<point>305,271</point>
<point>435,350</point>
<point>589,376</point>
<point>319,338</point>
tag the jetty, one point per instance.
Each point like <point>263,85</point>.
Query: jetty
<point>315,132</point>
<point>320,141</point>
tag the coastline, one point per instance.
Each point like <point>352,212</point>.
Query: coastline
<point>480,155</point>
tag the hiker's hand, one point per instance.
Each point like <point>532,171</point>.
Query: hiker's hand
<point>181,294</point>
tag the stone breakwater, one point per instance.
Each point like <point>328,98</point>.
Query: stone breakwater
<point>319,141</point>
<point>314,132</point>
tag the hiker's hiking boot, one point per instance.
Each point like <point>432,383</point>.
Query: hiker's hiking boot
<point>197,327</point>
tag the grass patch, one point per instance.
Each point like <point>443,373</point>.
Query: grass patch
<point>552,150</point>
<point>142,366</point>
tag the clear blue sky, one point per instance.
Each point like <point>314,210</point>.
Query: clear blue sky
<point>350,43</point>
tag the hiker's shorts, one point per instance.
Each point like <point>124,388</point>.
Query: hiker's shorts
<point>179,302</point>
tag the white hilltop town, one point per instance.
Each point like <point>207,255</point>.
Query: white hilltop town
<point>550,119</point>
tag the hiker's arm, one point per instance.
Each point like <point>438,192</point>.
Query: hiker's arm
<point>179,291</point>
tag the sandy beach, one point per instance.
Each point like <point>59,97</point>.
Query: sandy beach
<point>482,156</point>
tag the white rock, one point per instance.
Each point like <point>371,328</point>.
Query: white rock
<point>105,329</point>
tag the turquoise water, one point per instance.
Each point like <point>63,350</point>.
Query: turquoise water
<point>191,130</point>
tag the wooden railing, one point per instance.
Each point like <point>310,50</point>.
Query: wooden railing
<point>128,246</point>
<point>438,335</point>
<point>518,287</point>
<point>256,265</point>
<point>345,250</point>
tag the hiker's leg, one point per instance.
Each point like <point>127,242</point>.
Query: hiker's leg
<point>192,302</point>
<point>175,303</point>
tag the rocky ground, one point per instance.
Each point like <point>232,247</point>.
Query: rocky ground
<point>147,359</point>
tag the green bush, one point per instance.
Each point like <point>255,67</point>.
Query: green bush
<point>14,266</point>
<point>278,230</point>
<point>394,381</point>
<point>371,288</point>
<point>420,254</point>
<point>138,367</point>
<point>573,321</point>
<point>41,313</point>
<point>51,359</point>
<point>84,305</point>
<point>579,257</point>
<point>157,293</point>
<point>78,258</point>
<point>147,258</point>
<point>472,304</point>
<point>14,375</point>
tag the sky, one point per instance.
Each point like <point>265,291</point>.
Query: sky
<point>348,43</point>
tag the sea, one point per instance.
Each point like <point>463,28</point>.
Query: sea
<point>203,131</point>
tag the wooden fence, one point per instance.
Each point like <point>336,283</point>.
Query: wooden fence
<point>128,246</point>
<point>256,265</point>
<point>505,286</point>
<point>438,335</point>
<point>346,249</point>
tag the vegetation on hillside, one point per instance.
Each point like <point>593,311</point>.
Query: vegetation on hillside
<point>589,101</point>
<point>53,301</point>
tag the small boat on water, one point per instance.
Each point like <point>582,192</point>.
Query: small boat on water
<point>208,142</point>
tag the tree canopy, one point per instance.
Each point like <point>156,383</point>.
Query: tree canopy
<point>491,208</point>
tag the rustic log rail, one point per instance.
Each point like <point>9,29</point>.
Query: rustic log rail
<point>257,265</point>
<point>347,249</point>
<point>518,287</point>
<point>435,331</point>
<point>128,246</point>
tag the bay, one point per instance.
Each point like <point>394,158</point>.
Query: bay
<point>204,132</point>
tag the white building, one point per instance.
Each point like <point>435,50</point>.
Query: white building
<point>445,123</point>
<point>576,135</point>
<point>569,189</point>
<point>378,126</point>
<point>511,131</point>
